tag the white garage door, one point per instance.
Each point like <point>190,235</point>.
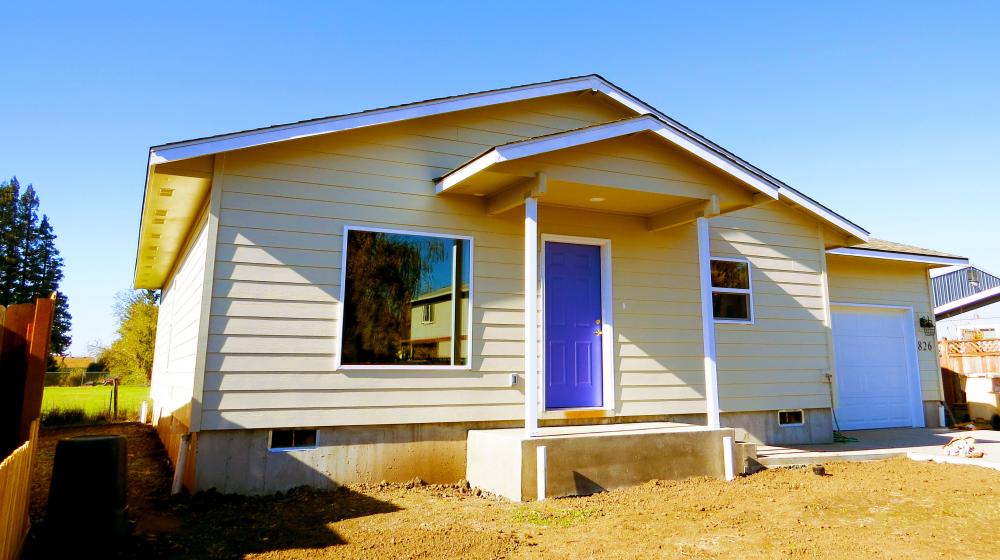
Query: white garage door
<point>877,383</point>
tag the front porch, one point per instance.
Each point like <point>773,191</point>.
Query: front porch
<point>580,460</point>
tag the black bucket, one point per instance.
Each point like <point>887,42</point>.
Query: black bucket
<point>88,509</point>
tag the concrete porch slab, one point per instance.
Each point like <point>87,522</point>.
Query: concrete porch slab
<point>920,443</point>
<point>587,459</point>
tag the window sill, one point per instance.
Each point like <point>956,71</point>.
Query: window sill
<point>284,449</point>
<point>402,368</point>
<point>733,322</point>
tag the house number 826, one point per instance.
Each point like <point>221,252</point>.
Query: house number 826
<point>924,345</point>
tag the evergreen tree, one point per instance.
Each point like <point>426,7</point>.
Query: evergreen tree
<point>30,264</point>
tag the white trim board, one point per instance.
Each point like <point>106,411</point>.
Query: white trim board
<point>607,320</point>
<point>338,366</point>
<point>748,291</point>
<point>590,134</point>
<point>894,256</point>
<point>238,140</point>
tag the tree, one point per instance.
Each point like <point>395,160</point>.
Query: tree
<point>130,356</point>
<point>30,264</point>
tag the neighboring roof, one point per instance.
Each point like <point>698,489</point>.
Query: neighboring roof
<point>954,292</point>
<point>890,250</point>
<point>434,294</point>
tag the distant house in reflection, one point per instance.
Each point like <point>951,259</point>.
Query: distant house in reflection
<point>431,325</point>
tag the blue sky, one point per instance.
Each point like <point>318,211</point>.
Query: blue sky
<point>887,112</point>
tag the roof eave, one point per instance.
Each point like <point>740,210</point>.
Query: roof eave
<point>894,256</point>
<point>968,303</point>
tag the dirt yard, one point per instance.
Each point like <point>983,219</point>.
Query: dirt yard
<point>891,509</point>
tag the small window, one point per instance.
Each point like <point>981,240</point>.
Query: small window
<point>732,301</point>
<point>790,418</point>
<point>292,439</point>
<point>406,299</point>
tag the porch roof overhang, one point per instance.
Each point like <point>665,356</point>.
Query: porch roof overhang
<point>468,177</point>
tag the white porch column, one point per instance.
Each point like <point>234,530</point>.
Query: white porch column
<point>531,316</point>
<point>708,325</point>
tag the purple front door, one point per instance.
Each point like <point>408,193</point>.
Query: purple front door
<point>573,350</point>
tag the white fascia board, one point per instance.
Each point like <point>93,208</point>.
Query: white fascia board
<point>683,141</point>
<point>239,140</point>
<point>892,256</point>
<point>825,213</point>
<point>967,300</point>
<point>948,270</point>
<point>573,138</point>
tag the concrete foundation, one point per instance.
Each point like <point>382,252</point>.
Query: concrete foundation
<point>761,427</point>
<point>587,459</point>
<point>239,461</point>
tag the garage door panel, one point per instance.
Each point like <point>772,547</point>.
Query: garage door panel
<point>874,372</point>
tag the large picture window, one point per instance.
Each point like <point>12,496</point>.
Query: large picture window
<point>732,300</point>
<point>400,303</point>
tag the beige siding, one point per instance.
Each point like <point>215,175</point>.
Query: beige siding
<point>273,327</point>
<point>780,360</point>
<point>881,282</point>
<point>177,331</point>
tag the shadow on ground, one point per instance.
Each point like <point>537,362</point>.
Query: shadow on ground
<point>208,524</point>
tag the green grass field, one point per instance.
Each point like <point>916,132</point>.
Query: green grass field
<point>91,402</point>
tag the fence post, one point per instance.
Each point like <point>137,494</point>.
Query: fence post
<point>114,397</point>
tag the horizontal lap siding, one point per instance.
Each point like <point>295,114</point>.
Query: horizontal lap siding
<point>273,328</point>
<point>177,331</point>
<point>780,360</point>
<point>882,282</point>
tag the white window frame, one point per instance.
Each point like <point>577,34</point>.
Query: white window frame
<point>748,291</point>
<point>339,366</point>
<point>607,324</point>
<point>427,314</point>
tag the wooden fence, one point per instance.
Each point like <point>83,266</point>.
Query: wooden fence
<point>962,357</point>
<point>15,496</point>
<point>25,329</point>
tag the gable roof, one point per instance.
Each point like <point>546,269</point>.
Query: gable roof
<point>596,133</point>
<point>593,82</point>
<point>955,294</point>
<point>193,150</point>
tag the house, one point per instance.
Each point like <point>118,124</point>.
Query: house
<point>615,269</point>
<point>966,302</point>
<point>967,309</point>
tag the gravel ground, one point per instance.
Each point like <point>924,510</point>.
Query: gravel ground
<point>889,509</point>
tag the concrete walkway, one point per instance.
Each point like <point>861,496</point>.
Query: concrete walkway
<point>918,443</point>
